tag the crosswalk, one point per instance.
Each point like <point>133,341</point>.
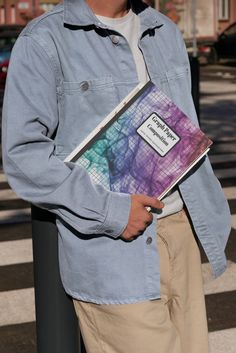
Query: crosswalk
<point>13,210</point>
<point>17,314</point>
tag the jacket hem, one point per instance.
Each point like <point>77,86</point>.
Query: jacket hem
<point>100,301</point>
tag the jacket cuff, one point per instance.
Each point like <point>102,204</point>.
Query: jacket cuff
<point>117,215</point>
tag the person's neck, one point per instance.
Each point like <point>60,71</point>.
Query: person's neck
<point>109,8</point>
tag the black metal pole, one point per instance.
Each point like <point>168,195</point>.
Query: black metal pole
<point>56,322</point>
<point>195,75</point>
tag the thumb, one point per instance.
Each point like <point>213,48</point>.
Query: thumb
<point>151,202</point>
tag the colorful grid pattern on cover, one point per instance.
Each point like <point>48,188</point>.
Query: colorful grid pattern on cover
<point>145,148</point>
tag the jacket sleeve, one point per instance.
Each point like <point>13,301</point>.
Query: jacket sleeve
<point>30,119</point>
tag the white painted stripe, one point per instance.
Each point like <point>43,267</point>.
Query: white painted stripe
<point>8,194</point>
<point>15,216</point>
<point>223,341</point>
<point>211,87</point>
<point>225,283</point>
<point>2,177</point>
<point>225,173</point>
<point>17,307</point>
<point>233,221</point>
<point>15,252</point>
<point>230,192</point>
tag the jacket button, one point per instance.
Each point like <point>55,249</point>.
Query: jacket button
<point>149,241</point>
<point>115,39</point>
<point>84,86</point>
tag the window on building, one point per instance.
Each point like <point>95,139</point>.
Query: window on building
<point>13,14</point>
<point>2,15</point>
<point>223,9</point>
<point>47,6</point>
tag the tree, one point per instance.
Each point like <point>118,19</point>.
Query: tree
<point>169,8</point>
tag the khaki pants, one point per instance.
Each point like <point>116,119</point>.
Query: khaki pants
<point>174,324</point>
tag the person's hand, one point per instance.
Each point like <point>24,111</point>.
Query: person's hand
<point>139,217</point>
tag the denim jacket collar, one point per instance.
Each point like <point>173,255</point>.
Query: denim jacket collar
<point>78,13</point>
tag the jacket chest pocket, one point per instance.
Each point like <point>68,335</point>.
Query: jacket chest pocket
<point>176,82</point>
<point>82,106</point>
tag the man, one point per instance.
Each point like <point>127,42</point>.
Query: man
<point>69,69</point>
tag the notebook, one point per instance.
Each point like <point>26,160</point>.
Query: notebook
<point>146,145</point>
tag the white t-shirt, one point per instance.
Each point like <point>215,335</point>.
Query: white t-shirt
<point>129,27</point>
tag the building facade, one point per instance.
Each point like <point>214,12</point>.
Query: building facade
<point>211,16</point>
<point>22,11</point>
<point>226,13</point>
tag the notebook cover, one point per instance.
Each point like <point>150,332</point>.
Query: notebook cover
<point>143,148</point>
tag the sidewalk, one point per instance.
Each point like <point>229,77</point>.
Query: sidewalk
<point>218,106</point>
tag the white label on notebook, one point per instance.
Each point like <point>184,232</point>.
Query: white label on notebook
<point>158,134</point>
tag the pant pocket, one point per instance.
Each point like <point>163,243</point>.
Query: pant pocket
<point>165,267</point>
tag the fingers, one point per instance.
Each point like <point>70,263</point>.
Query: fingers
<point>131,237</point>
<point>151,202</point>
<point>134,231</point>
<point>148,219</point>
<point>140,216</point>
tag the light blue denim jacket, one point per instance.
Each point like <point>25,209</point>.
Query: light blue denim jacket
<point>66,74</point>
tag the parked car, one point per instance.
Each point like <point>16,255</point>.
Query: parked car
<point>11,28</point>
<point>7,40</point>
<point>8,37</point>
<point>3,73</point>
<point>225,45</point>
<point>6,44</point>
<point>203,50</point>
